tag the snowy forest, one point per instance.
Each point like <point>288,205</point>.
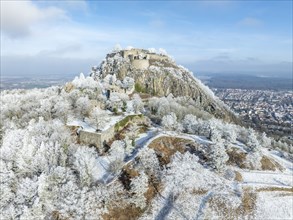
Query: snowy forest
<point>166,159</point>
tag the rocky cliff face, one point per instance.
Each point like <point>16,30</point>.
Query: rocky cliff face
<point>159,75</point>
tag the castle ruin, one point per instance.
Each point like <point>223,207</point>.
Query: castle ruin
<point>140,59</point>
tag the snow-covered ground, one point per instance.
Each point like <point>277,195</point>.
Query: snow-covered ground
<point>274,198</point>
<point>270,178</point>
<point>79,123</point>
<point>266,179</point>
<point>274,205</point>
<point>88,128</point>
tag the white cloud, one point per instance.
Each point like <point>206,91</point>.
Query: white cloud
<point>17,17</point>
<point>69,5</point>
<point>252,22</point>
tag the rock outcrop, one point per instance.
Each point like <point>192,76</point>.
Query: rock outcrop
<point>159,75</point>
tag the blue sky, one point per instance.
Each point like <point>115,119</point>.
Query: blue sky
<point>68,37</point>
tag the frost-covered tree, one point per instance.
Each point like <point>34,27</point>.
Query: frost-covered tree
<point>133,132</point>
<point>229,133</point>
<point>163,51</point>
<point>252,142</point>
<point>45,109</point>
<point>163,106</point>
<point>86,164</point>
<point>149,162</point>
<point>27,191</point>
<point>61,109</point>
<point>218,156</point>
<point>169,122</point>
<point>139,186</point>
<point>137,103</point>
<point>83,106</point>
<point>83,82</point>
<point>215,135</point>
<point>59,193</point>
<point>92,201</point>
<point>190,124</point>
<point>117,48</point>
<point>116,156</point>
<point>152,50</point>
<point>127,83</point>
<point>184,174</point>
<point>253,160</point>
<point>98,118</point>
<point>265,140</point>
<point>215,130</point>
<point>129,146</point>
<point>49,131</point>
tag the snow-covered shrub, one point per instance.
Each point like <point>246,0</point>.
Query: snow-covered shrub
<point>253,157</point>
<point>229,174</point>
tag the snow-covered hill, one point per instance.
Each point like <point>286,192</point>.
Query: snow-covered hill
<point>157,74</point>
<point>165,160</point>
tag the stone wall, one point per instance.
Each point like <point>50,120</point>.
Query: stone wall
<point>97,139</point>
<point>140,58</point>
<point>158,57</point>
<point>107,134</point>
<point>134,52</point>
<point>140,64</point>
<point>90,138</point>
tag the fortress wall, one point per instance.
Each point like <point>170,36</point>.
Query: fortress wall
<point>157,57</point>
<point>131,52</point>
<point>90,138</point>
<point>140,64</point>
<point>96,139</point>
<point>108,134</point>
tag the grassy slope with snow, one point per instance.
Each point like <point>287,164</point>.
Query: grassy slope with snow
<point>273,190</point>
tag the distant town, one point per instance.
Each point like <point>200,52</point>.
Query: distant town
<point>268,110</point>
